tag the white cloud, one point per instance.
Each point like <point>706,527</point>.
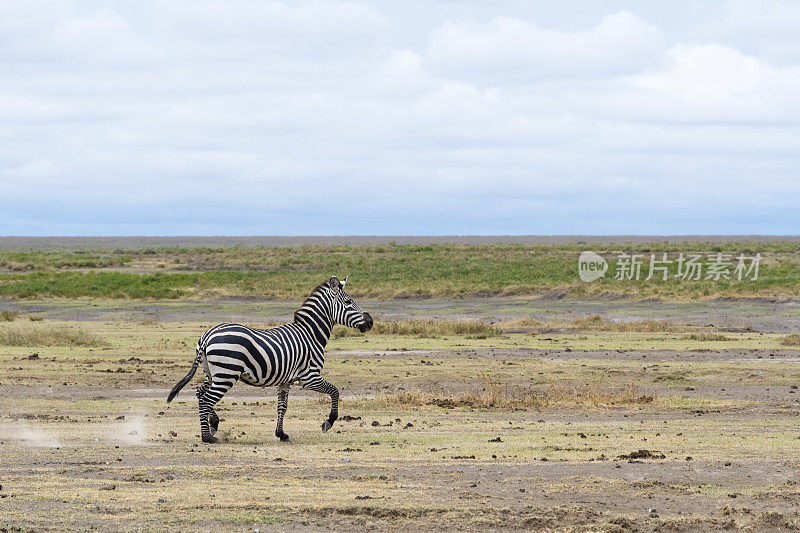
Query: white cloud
<point>767,28</point>
<point>116,118</point>
<point>517,50</point>
<point>705,71</point>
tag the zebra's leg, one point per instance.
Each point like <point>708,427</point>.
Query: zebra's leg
<point>216,390</point>
<point>213,419</point>
<point>320,384</point>
<point>283,402</point>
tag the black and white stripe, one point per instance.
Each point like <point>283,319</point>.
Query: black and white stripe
<point>274,357</point>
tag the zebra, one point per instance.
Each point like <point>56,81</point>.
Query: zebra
<point>294,352</point>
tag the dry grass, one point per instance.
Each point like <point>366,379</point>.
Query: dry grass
<point>429,328</point>
<point>598,323</point>
<point>707,337</point>
<point>477,329</point>
<point>49,336</point>
<point>8,316</point>
<point>494,394</point>
<point>482,330</point>
<point>791,340</point>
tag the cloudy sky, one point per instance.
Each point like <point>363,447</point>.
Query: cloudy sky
<point>246,117</point>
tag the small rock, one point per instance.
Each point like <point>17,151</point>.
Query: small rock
<point>162,500</point>
<point>409,425</point>
<point>375,423</point>
<point>689,458</point>
<point>173,433</point>
<point>496,439</point>
<point>33,356</point>
<point>120,417</point>
<point>213,495</point>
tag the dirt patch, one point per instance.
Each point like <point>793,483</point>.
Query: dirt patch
<point>89,442</point>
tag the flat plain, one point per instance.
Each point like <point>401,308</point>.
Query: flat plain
<point>533,410</point>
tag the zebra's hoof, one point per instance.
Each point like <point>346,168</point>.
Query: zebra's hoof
<point>210,440</point>
<point>326,426</point>
<point>283,436</point>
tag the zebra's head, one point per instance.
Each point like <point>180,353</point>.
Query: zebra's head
<point>344,310</point>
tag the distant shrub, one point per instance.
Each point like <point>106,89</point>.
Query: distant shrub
<point>49,336</point>
<point>494,394</point>
<point>791,340</point>
<point>8,316</point>
<point>429,328</point>
<point>707,337</point>
<point>598,323</point>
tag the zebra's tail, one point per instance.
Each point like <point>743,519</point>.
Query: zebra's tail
<point>186,379</point>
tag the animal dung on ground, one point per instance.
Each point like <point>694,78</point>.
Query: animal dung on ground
<point>643,454</point>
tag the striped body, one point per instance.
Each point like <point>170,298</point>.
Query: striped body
<point>261,357</point>
<point>274,357</point>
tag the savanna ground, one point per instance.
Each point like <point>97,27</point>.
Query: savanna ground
<point>495,391</point>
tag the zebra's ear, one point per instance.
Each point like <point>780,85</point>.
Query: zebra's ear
<point>334,283</point>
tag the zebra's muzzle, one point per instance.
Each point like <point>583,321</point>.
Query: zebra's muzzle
<point>367,325</point>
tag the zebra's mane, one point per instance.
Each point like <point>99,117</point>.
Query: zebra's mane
<point>324,285</point>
